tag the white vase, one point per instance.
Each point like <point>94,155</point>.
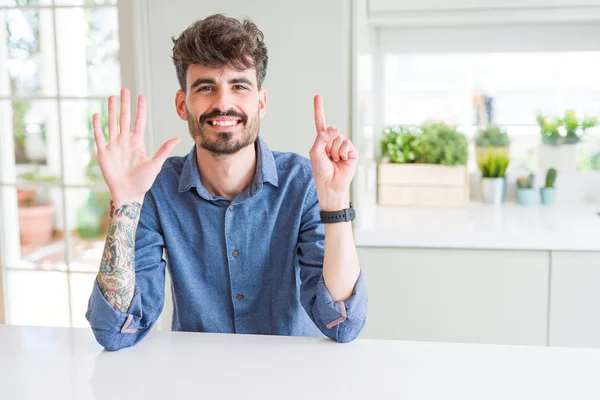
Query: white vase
<point>561,157</point>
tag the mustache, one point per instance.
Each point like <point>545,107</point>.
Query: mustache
<point>218,113</point>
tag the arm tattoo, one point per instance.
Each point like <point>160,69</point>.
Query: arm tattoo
<point>116,278</point>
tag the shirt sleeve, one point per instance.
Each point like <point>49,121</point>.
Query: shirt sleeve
<point>342,320</point>
<point>113,329</point>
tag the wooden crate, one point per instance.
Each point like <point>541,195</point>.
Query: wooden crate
<point>425,185</point>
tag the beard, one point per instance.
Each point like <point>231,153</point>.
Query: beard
<point>223,143</point>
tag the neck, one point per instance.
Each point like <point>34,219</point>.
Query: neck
<point>226,176</point>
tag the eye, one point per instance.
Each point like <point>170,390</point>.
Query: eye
<point>240,87</point>
<point>204,88</point>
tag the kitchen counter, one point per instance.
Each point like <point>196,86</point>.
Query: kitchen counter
<point>569,227</point>
<point>67,363</point>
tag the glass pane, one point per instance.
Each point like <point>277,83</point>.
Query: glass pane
<point>37,298</point>
<point>81,288</point>
<point>27,46</point>
<point>33,228</point>
<point>78,139</point>
<point>87,219</point>
<point>88,49</point>
<point>30,128</point>
<point>518,85</point>
<point>84,2</point>
<point>25,2</point>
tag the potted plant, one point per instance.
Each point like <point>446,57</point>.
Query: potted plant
<point>560,139</point>
<point>423,166</point>
<point>493,167</point>
<point>525,190</point>
<point>491,138</point>
<point>548,192</point>
<point>36,211</point>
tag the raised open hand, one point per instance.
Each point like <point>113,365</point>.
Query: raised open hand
<point>127,170</point>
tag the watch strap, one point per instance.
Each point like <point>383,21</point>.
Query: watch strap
<point>345,215</point>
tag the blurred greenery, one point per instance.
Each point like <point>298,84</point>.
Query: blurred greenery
<point>492,136</point>
<point>493,164</point>
<point>429,143</point>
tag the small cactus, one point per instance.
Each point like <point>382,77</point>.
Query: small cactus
<point>526,182</point>
<point>550,178</point>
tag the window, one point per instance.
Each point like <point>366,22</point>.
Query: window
<point>516,86</point>
<point>60,62</point>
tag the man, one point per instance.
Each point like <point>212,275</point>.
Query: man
<point>256,241</point>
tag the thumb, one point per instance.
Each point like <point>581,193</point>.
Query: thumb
<point>164,151</point>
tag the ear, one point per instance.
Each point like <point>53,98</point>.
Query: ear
<point>180,105</point>
<point>262,102</point>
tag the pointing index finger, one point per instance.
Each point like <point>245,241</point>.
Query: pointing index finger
<point>319,115</point>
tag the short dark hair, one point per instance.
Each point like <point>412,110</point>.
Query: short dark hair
<point>218,41</point>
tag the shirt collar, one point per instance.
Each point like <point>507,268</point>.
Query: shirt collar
<point>266,171</point>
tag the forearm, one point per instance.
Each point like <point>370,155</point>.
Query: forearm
<point>340,266</point>
<point>116,277</point>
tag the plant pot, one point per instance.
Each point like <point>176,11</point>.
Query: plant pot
<point>24,196</point>
<point>562,157</point>
<point>548,195</point>
<point>36,224</point>
<point>526,197</point>
<point>493,190</point>
<point>422,185</point>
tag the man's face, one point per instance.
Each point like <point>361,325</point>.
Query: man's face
<point>223,108</point>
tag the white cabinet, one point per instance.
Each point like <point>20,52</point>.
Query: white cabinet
<point>475,296</point>
<point>443,5</point>
<point>575,299</point>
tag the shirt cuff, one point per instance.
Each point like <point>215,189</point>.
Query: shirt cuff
<point>103,317</point>
<point>351,312</point>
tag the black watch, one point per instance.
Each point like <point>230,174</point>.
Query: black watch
<point>346,215</point>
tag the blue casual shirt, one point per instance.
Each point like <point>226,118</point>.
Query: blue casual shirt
<point>252,264</point>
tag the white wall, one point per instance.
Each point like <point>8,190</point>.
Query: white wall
<point>309,53</point>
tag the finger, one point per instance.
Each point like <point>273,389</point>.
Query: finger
<point>98,134</point>
<point>319,115</point>
<point>112,118</point>
<point>352,152</point>
<point>140,119</point>
<point>125,111</point>
<point>337,143</point>
<point>344,148</point>
<point>164,151</point>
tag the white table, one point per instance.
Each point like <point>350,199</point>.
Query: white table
<point>63,363</point>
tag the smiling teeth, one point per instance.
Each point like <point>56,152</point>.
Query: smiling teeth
<point>224,123</point>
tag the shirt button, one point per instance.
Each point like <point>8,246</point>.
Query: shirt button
<point>230,208</point>
<point>239,297</point>
<point>235,253</point>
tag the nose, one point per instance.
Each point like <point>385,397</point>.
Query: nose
<point>223,100</point>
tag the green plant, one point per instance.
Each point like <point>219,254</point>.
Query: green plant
<point>493,165</point>
<point>573,127</point>
<point>398,144</point>
<point>37,176</point>
<point>549,129</point>
<point>492,136</point>
<point>550,178</point>
<point>440,143</point>
<point>526,182</point>
<point>589,122</point>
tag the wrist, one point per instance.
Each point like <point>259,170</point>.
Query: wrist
<point>334,201</point>
<point>125,199</point>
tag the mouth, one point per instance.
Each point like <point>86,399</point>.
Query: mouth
<point>221,124</point>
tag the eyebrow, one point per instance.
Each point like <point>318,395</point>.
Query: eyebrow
<point>210,81</point>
